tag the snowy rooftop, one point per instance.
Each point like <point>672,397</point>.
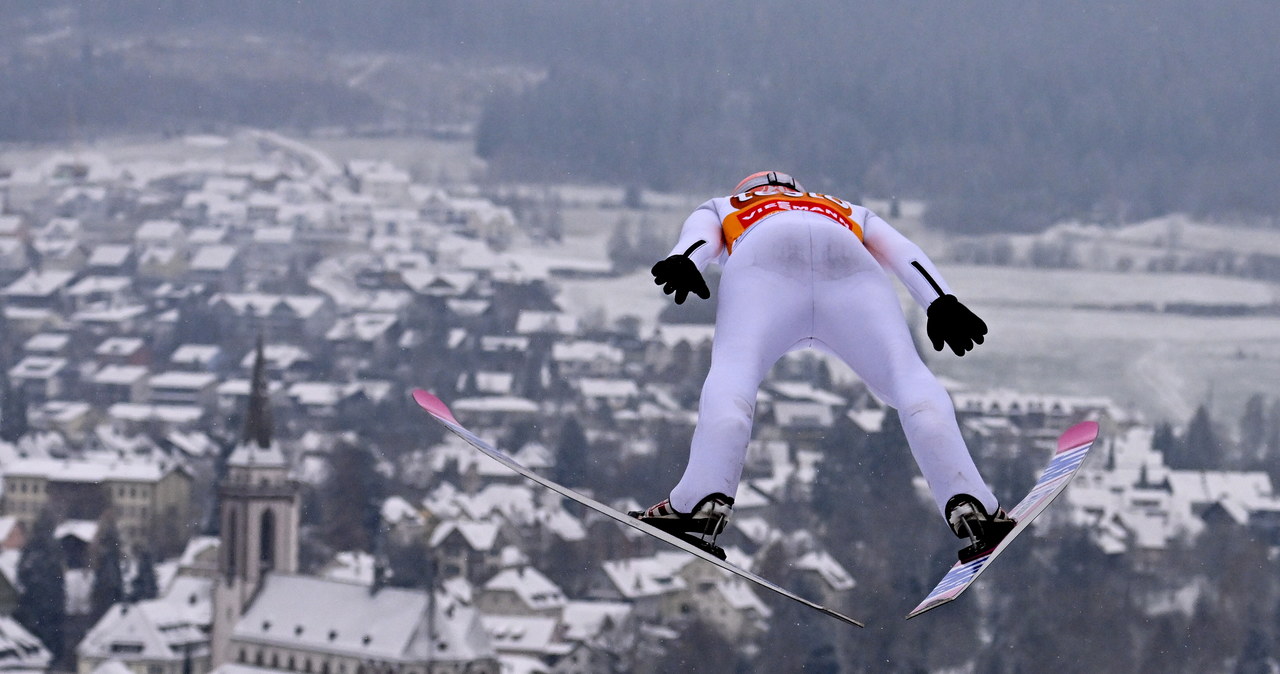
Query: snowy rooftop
<point>584,620</point>
<point>119,374</point>
<point>158,230</point>
<point>47,342</point>
<point>177,379</point>
<point>586,351</point>
<point>647,576</point>
<point>109,255</point>
<point>213,258</point>
<point>37,367</point>
<point>137,412</point>
<point>119,346</point>
<point>694,334</point>
<point>66,470</point>
<point>534,589</point>
<point>192,354</point>
<point>346,618</point>
<point>91,285</point>
<point>478,535</point>
<point>826,566</point>
<point>524,634</point>
<point>37,283</point>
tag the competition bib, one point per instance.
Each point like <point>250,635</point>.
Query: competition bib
<point>756,205</point>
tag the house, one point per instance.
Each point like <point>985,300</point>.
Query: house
<point>13,533</point>
<point>166,635</point>
<point>615,394</point>
<point>76,537</point>
<point>39,289</point>
<point>21,651</point>
<point>196,358</point>
<point>495,410</point>
<point>176,387</point>
<point>161,262</point>
<point>653,585</point>
<point>581,358</point>
<point>13,258</point>
<point>40,377</point>
<point>272,252</point>
<point>667,340</point>
<point>381,181</point>
<point>830,575</point>
<point>168,233</point>
<point>603,633</point>
<point>150,498</point>
<point>100,291</point>
<point>123,351</point>
<point>467,548</point>
<point>218,266</point>
<point>118,384</point>
<point>668,587</point>
<point>521,591</point>
<point>49,344</point>
<point>302,624</point>
<point>546,323</point>
<point>283,362</point>
<point>365,335</point>
<point>284,317</point>
<point>71,418</point>
<point>532,637</point>
<point>111,259</point>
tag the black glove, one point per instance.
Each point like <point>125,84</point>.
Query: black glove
<point>953,323</point>
<point>678,274</point>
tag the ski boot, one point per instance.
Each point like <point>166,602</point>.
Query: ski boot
<point>968,519</point>
<point>698,528</point>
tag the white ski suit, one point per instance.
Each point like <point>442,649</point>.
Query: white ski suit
<point>801,269</point>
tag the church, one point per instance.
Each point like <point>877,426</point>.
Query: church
<point>266,615</point>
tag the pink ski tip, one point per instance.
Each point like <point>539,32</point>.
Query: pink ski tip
<point>433,405</point>
<point>1078,436</point>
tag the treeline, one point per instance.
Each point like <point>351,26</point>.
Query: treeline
<point>1005,116</point>
<point>60,97</point>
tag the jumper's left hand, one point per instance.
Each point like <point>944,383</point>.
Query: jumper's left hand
<point>952,323</point>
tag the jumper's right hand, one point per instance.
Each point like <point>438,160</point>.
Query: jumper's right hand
<point>678,274</point>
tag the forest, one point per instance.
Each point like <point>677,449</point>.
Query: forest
<point>1005,116</point>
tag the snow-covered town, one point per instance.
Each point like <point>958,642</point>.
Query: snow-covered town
<point>208,444</point>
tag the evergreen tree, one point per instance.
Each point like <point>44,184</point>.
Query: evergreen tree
<point>145,585</point>
<point>620,249</point>
<point>651,244</point>
<point>13,410</point>
<point>840,480</point>
<point>352,499</point>
<point>1273,429</point>
<point>1253,431</point>
<point>108,582</point>
<point>1164,439</point>
<point>1255,655</point>
<point>42,602</point>
<point>572,454</point>
<point>1200,448</point>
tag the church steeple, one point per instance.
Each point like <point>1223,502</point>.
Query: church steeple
<point>258,508</point>
<point>257,419</point>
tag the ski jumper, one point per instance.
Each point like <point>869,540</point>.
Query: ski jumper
<point>805,270</point>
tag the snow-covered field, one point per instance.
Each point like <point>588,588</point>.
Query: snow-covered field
<point>1043,339</point>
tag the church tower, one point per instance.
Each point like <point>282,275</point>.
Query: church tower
<point>258,511</point>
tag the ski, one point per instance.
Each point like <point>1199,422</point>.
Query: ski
<point>441,413</point>
<point>1073,448</point>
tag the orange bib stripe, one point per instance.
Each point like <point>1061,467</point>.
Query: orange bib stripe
<point>756,209</point>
